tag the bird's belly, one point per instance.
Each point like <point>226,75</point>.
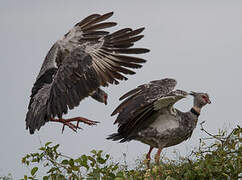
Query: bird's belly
<point>165,122</point>
<point>163,132</point>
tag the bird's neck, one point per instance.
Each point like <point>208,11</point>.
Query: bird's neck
<point>197,109</point>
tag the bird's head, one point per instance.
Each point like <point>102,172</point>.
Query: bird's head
<point>100,96</point>
<point>200,99</point>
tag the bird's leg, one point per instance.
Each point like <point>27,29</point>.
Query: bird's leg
<point>148,157</point>
<point>157,156</point>
<point>68,122</point>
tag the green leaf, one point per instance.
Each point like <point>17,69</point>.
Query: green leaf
<point>45,178</point>
<point>84,158</point>
<point>47,144</point>
<point>65,161</point>
<point>101,160</point>
<point>115,167</point>
<point>99,153</point>
<point>71,162</point>
<point>92,159</point>
<point>107,156</point>
<point>42,148</point>
<point>23,160</point>
<point>34,154</point>
<point>75,168</point>
<point>25,177</point>
<point>120,174</point>
<point>35,160</point>
<point>34,170</point>
<point>52,170</point>
<point>94,152</point>
<point>56,146</point>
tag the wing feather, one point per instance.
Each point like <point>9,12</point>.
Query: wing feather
<point>118,33</point>
<point>143,102</point>
<point>95,18</point>
<point>87,20</point>
<point>99,26</point>
<point>86,58</point>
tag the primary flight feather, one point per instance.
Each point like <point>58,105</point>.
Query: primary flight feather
<point>75,67</point>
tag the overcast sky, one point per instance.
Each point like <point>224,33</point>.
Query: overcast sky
<point>199,43</point>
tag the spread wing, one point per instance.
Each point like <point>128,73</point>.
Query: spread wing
<point>86,58</point>
<point>146,93</point>
<point>141,103</point>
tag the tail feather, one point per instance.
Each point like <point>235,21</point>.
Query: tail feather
<point>115,137</point>
<point>37,113</point>
<point>34,120</point>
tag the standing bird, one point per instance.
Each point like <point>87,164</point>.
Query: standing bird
<point>86,58</point>
<point>147,115</point>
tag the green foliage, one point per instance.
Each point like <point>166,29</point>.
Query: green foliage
<point>218,157</point>
<point>63,167</point>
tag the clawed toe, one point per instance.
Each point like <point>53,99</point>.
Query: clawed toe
<point>68,122</point>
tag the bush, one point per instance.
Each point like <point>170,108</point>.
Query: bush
<point>218,157</point>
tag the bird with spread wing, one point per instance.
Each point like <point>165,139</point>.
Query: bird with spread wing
<point>147,115</point>
<point>75,67</point>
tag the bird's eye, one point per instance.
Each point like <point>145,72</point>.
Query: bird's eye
<point>204,97</point>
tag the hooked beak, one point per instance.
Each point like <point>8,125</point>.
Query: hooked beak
<point>208,101</point>
<point>105,102</point>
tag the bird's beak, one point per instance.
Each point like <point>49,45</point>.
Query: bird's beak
<point>208,101</point>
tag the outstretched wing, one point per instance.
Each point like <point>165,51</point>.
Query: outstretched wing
<point>141,103</point>
<point>87,57</point>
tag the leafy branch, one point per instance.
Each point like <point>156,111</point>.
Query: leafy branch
<point>219,156</point>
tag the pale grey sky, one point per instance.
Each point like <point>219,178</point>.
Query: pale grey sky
<point>199,43</point>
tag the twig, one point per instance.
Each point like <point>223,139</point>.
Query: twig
<point>214,136</point>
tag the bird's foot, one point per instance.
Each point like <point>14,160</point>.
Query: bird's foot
<point>68,122</point>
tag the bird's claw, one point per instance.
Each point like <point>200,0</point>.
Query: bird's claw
<point>68,122</point>
<point>71,126</point>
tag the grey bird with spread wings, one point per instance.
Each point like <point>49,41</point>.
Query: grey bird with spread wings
<point>147,115</point>
<point>86,58</point>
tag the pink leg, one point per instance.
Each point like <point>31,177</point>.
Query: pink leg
<point>148,157</point>
<point>157,156</point>
<point>67,122</point>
